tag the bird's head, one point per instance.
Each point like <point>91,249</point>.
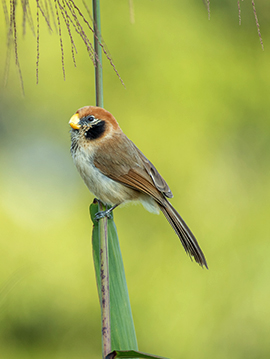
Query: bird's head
<point>90,127</point>
<point>93,123</point>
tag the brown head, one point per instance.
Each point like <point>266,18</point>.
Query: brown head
<point>94,122</point>
<point>90,126</point>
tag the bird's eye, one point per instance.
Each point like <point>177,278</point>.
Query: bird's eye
<point>90,118</point>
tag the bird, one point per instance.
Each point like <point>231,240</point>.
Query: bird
<point>117,172</point>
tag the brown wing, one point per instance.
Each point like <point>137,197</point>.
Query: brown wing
<point>123,162</point>
<point>158,180</point>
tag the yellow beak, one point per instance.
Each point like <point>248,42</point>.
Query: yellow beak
<point>74,121</point>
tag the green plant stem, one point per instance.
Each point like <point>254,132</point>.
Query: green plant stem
<point>98,52</point>
<point>105,288</point>
<point>123,336</point>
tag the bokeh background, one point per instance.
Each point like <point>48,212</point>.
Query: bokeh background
<point>197,104</point>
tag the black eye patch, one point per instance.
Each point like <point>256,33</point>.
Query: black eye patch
<point>95,131</point>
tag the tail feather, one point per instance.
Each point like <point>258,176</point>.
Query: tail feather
<point>185,235</point>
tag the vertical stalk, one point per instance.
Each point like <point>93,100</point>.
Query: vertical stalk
<point>103,234</point>
<point>105,288</point>
<point>98,51</point>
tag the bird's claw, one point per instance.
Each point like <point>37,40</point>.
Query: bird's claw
<point>103,214</point>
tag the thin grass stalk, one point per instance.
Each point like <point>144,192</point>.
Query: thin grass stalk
<point>98,51</point>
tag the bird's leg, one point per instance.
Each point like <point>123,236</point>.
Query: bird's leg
<point>106,213</point>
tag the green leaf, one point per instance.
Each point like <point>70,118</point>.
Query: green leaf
<point>131,354</point>
<point>123,336</point>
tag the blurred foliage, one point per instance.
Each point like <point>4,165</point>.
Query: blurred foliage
<point>197,104</point>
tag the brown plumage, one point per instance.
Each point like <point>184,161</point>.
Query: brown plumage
<point>116,171</point>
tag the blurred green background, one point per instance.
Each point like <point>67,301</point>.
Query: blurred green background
<point>197,104</point>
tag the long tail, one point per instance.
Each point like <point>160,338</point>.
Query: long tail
<point>187,238</point>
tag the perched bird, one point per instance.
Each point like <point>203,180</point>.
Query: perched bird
<point>116,171</point>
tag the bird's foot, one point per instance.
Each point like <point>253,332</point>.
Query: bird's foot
<point>103,214</point>
<point>107,213</point>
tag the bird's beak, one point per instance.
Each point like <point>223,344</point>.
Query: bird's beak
<point>74,121</point>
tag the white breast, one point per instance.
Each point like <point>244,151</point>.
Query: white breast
<point>107,190</point>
